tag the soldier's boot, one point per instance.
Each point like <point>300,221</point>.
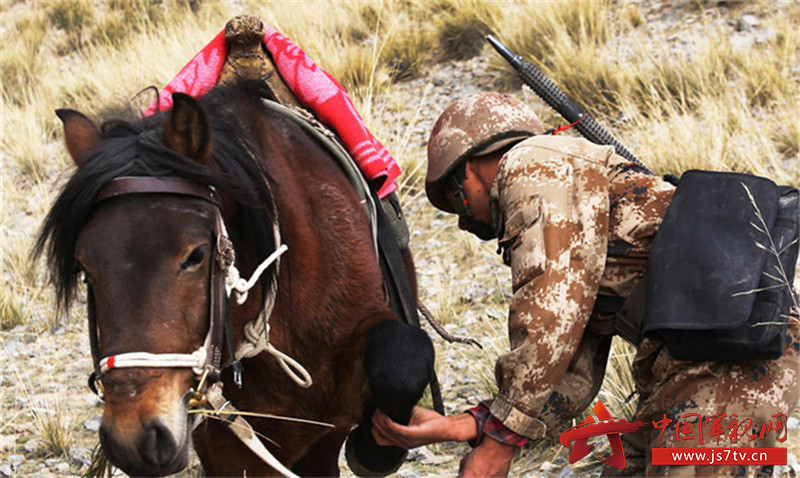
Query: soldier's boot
<point>248,60</point>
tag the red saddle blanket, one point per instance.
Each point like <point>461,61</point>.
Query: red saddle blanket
<point>313,86</point>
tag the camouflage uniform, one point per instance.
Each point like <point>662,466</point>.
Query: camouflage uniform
<point>576,220</point>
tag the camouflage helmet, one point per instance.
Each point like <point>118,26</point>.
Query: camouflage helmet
<point>477,124</point>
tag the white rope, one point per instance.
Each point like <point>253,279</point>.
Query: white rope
<point>293,369</point>
<point>196,360</point>
<point>256,332</point>
<point>235,283</point>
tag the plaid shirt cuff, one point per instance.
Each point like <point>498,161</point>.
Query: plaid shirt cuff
<point>489,425</point>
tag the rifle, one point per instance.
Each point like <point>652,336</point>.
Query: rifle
<point>558,100</point>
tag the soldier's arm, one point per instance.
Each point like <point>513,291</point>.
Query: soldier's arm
<point>556,216</point>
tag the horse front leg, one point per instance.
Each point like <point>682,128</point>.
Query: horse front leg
<point>399,361</point>
<point>322,459</point>
<point>222,454</point>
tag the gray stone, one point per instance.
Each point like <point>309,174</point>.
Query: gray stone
<point>408,473</point>
<point>6,471</point>
<point>467,392</point>
<point>764,35</point>
<point>31,446</point>
<point>742,42</point>
<point>566,472</point>
<point>92,424</point>
<point>80,456</point>
<point>13,348</point>
<point>425,455</point>
<point>747,22</point>
<point>29,338</point>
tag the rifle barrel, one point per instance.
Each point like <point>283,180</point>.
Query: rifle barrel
<point>559,101</point>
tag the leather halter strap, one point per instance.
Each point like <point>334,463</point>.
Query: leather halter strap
<point>146,184</point>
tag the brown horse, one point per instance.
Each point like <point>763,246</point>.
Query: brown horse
<point>148,253</point>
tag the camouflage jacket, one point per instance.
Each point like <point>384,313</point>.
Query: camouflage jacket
<point>574,220</point>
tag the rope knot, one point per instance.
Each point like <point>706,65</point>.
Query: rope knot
<point>234,283</point>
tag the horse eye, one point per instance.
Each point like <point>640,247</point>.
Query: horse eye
<point>195,258</point>
<point>81,272</point>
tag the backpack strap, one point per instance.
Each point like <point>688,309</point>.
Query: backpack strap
<point>628,312</point>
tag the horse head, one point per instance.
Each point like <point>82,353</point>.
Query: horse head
<point>148,247</point>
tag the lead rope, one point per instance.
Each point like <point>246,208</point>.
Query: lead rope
<point>236,285</point>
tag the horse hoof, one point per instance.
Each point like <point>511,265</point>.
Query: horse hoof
<point>366,458</point>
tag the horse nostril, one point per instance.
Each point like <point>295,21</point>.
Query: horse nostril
<point>157,443</point>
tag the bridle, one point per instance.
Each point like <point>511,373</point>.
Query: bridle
<point>206,361</point>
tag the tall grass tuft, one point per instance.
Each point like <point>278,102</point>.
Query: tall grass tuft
<point>618,385</point>
<point>71,16</point>
<point>12,311</point>
<point>20,59</point>
<point>50,417</point>
<point>462,27</point>
<point>729,102</point>
<point>779,274</point>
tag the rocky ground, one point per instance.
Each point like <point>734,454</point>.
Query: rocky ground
<point>43,375</point>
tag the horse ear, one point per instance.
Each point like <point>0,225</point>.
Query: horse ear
<point>80,133</point>
<point>187,130</point>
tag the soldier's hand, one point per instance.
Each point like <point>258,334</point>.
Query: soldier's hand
<point>426,426</point>
<point>490,458</point>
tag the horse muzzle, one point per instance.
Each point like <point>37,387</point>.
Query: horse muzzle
<point>145,427</point>
<point>154,451</point>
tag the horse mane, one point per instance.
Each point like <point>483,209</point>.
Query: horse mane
<point>137,148</point>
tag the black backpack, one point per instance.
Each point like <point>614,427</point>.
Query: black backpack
<point>719,283</point>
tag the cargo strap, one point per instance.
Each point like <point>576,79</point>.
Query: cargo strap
<point>628,312</point>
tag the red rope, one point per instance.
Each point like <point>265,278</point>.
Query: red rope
<point>568,126</point>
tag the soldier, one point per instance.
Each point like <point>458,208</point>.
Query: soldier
<point>574,221</point>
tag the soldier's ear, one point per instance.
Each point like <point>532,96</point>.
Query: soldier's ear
<point>469,168</point>
<point>476,168</point>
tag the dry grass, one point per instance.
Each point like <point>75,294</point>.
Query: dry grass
<point>723,104</point>
<point>686,97</point>
<point>51,420</point>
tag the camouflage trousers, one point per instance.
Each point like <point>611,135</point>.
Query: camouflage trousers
<point>710,405</point>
